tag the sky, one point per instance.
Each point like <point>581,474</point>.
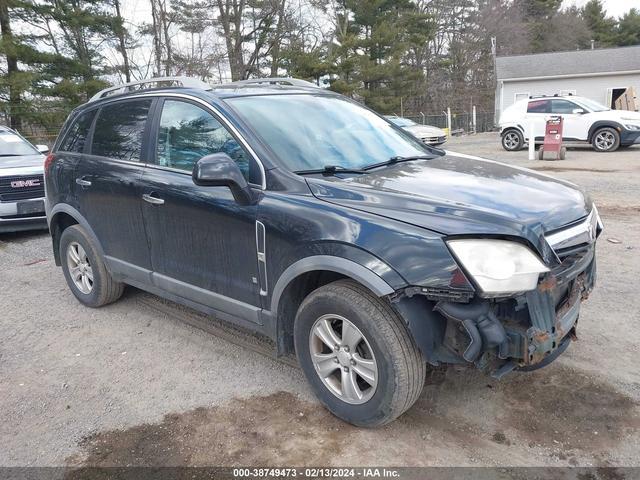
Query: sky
<point>615,8</point>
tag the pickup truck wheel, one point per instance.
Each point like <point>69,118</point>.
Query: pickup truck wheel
<point>606,139</point>
<point>512,140</point>
<point>356,352</point>
<point>85,271</point>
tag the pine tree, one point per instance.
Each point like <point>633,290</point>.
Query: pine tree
<point>603,28</point>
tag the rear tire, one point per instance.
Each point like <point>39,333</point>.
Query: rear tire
<point>84,270</point>
<point>606,139</point>
<point>368,337</point>
<point>512,140</point>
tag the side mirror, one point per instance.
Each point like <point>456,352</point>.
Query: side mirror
<point>42,149</point>
<point>578,111</point>
<point>219,170</point>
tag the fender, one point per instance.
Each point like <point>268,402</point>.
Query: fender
<point>603,123</point>
<point>511,126</point>
<point>334,264</point>
<point>77,216</point>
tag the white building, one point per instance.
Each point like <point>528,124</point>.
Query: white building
<point>601,75</point>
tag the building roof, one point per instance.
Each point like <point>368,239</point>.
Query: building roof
<point>578,62</point>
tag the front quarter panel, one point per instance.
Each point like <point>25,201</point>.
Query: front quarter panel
<point>301,226</point>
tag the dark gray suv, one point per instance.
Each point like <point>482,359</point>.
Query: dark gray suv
<point>304,216</point>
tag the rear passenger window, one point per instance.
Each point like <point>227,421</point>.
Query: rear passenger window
<point>77,134</point>
<point>119,130</point>
<point>538,106</point>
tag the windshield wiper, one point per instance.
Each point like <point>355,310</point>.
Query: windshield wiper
<point>394,160</point>
<point>9,155</point>
<point>330,170</point>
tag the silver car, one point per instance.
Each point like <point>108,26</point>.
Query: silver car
<point>428,134</point>
<point>21,183</point>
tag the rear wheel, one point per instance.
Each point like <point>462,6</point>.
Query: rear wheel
<point>357,354</point>
<point>606,139</point>
<point>512,140</point>
<point>85,271</point>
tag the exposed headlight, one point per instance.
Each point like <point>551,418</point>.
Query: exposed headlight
<point>499,266</point>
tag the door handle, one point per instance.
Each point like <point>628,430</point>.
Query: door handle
<point>82,182</point>
<point>152,200</point>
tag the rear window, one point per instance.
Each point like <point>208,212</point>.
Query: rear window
<point>538,106</point>
<point>119,130</point>
<point>76,136</point>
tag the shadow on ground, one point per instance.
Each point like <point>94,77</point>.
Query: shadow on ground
<point>559,409</point>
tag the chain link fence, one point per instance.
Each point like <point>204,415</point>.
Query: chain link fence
<point>461,123</point>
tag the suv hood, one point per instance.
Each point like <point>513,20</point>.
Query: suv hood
<point>21,161</point>
<point>425,130</point>
<point>457,194</point>
<point>618,115</point>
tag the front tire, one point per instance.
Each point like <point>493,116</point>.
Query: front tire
<point>357,354</point>
<point>84,270</point>
<point>606,139</point>
<point>512,140</point>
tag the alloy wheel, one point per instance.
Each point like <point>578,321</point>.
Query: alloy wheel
<point>605,140</point>
<point>343,359</point>
<point>79,267</point>
<point>511,140</point>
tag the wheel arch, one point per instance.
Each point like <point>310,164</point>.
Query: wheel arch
<point>308,274</point>
<point>603,124</point>
<point>63,216</point>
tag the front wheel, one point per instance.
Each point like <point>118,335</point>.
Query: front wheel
<point>357,354</point>
<point>606,140</point>
<point>512,140</point>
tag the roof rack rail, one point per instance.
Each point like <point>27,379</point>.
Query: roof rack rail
<point>294,82</point>
<point>568,94</point>
<point>156,82</point>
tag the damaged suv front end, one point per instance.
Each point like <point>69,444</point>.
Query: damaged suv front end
<point>525,310</point>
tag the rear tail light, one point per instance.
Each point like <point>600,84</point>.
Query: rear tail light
<point>48,162</point>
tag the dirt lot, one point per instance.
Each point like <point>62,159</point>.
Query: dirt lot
<point>133,384</point>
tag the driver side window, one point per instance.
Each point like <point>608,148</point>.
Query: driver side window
<point>187,133</point>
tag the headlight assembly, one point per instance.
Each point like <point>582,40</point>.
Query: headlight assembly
<point>498,266</point>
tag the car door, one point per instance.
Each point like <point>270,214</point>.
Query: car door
<point>537,113</point>
<point>107,185</point>
<point>575,126</point>
<point>202,241</point>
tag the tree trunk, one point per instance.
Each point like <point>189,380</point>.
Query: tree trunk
<point>120,32</point>
<point>15,120</point>
<point>275,51</point>
<point>156,39</point>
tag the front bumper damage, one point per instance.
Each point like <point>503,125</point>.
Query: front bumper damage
<point>498,336</point>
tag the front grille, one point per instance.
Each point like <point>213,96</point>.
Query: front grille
<point>433,139</point>
<point>577,236</point>
<point>21,187</point>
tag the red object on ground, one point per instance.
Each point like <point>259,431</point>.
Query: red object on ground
<point>553,139</point>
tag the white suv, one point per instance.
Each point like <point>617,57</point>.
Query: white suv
<point>584,121</point>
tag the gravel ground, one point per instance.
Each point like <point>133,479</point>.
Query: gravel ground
<point>133,384</point>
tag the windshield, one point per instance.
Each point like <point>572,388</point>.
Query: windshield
<point>591,105</point>
<point>309,132</point>
<point>401,122</point>
<point>12,145</point>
